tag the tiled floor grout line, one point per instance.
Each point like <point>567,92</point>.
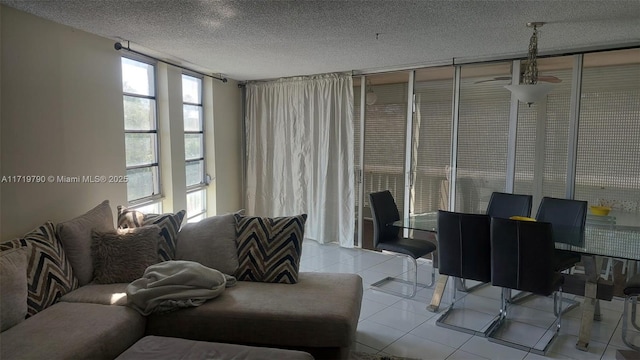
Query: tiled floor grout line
<point>608,331</point>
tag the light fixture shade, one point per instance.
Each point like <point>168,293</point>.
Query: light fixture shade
<point>529,93</point>
<point>371,98</point>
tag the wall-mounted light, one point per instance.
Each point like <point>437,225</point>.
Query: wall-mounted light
<point>371,97</point>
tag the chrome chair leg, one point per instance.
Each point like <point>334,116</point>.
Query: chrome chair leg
<point>451,318</point>
<point>461,284</point>
<point>414,284</point>
<point>629,301</point>
<point>542,346</point>
<point>633,314</point>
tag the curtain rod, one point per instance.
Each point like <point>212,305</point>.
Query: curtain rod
<point>118,46</point>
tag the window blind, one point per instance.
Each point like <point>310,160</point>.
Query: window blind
<point>608,161</point>
<point>384,144</point>
<point>543,172</point>
<point>482,136</point>
<point>432,144</point>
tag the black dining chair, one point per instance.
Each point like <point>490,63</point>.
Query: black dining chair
<point>502,205</point>
<point>388,238</point>
<point>567,218</point>
<point>519,253</point>
<point>505,205</point>
<point>464,251</point>
<point>631,292</point>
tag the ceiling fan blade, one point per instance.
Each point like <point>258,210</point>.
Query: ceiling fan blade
<point>549,79</point>
<point>497,78</point>
<point>543,78</point>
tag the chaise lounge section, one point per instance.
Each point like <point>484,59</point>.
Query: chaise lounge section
<point>319,315</point>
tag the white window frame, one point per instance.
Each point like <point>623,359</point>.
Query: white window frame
<point>154,200</point>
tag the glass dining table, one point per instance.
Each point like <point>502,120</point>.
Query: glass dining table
<point>616,235</point>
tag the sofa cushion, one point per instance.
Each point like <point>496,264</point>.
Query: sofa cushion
<point>105,294</point>
<point>159,347</point>
<point>123,256</point>
<point>13,287</point>
<point>211,242</point>
<point>74,331</point>
<point>321,310</point>
<point>49,272</point>
<point>75,235</point>
<point>269,249</point>
<point>169,225</point>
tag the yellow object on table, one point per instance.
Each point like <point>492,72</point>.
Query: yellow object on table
<point>522,218</point>
<point>600,210</point>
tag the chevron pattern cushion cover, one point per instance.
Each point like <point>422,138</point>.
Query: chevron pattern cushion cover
<point>49,272</point>
<point>269,249</point>
<point>169,226</point>
<point>128,218</point>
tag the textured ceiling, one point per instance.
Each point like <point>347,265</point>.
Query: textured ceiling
<point>248,40</point>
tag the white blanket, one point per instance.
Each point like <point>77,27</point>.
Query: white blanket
<point>171,285</point>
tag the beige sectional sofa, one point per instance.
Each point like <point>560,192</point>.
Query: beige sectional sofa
<point>318,314</point>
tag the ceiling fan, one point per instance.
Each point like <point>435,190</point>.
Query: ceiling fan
<point>528,68</point>
<point>542,78</point>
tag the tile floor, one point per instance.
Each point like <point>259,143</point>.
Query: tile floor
<point>397,326</point>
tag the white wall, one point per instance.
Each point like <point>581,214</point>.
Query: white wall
<point>171,128</point>
<point>61,115</point>
<point>227,108</point>
<point>1,172</point>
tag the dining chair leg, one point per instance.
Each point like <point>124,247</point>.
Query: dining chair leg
<point>633,313</point>
<point>378,285</point>
<point>501,327</point>
<point>505,294</point>
<point>461,284</point>
<point>547,340</point>
<point>557,307</point>
<point>629,301</point>
<point>455,317</point>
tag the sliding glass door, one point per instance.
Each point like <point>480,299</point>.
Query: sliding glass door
<point>431,146</point>
<point>466,133</point>
<point>483,130</point>
<point>385,125</point>
<point>543,135</point>
<point>608,153</point>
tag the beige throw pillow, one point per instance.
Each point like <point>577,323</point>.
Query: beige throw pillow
<point>210,242</point>
<point>75,235</point>
<point>123,256</point>
<point>13,287</point>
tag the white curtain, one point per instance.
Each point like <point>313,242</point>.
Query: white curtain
<point>299,142</point>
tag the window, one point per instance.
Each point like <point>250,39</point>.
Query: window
<point>151,208</point>
<point>543,134</point>
<point>194,148</point>
<point>607,164</point>
<point>385,128</point>
<point>483,131</point>
<point>431,139</point>
<point>141,132</point>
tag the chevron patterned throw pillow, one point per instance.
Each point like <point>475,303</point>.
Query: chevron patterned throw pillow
<point>269,249</point>
<point>169,224</point>
<point>49,273</point>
